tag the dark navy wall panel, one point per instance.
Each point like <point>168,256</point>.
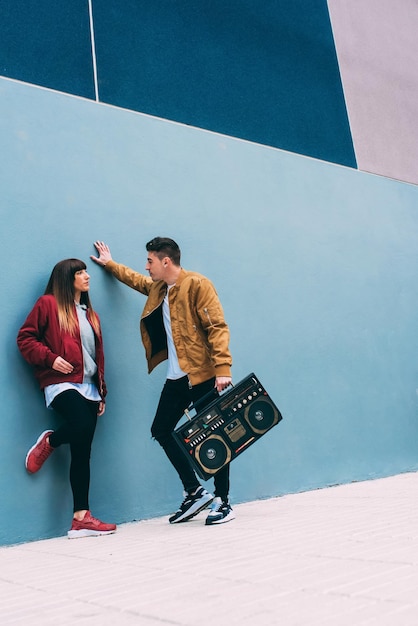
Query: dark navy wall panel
<point>262,71</point>
<point>47,43</point>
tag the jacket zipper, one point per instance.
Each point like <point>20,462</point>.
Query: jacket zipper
<point>154,309</point>
<point>208,316</point>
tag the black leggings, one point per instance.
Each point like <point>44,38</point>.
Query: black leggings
<point>80,418</point>
<point>175,397</point>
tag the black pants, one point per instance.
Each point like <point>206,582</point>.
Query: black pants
<point>175,397</point>
<point>80,418</point>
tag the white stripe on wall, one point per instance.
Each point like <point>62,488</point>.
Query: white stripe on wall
<point>93,51</point>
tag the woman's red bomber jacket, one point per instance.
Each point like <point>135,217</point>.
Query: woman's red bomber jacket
<point>41,341</point>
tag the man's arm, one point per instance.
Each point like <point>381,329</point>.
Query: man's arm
<point>125,274</point>
<point>210,312</point>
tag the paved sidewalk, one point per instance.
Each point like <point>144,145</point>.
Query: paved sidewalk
<point>346,556</point>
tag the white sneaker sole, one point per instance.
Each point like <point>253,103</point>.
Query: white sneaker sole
<point>198,506</point>
<point>223,520</point>
<point>41,436</point>
<point>78,534</point>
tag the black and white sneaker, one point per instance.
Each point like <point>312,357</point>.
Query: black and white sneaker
<point>191,505</point>
<point>220,512</point>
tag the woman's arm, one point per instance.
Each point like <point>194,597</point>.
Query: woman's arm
<point>30,337</point>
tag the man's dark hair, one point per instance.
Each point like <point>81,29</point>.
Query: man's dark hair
<point>164,246</point>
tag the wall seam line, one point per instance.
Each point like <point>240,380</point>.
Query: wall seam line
<point>93,51</point>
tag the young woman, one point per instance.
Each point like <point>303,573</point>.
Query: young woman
<point>62,340</point>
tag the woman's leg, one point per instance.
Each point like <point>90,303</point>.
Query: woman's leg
<point>80,418</point>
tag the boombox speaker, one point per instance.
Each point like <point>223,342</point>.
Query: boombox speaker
<point>227,426</point>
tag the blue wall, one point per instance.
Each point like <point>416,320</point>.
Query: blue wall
<point>315,265</point>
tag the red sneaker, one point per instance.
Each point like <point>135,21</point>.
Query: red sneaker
<point>90,527</point>
<point>39,453</point>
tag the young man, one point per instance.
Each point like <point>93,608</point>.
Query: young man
<point>183,322</point>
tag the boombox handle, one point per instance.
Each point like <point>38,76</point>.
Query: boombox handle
<point>203,401</point>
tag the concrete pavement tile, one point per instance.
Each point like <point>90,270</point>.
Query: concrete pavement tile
<point>400,616</point>
<point>107,618</point>
<point>328,609</point>
<point>44,611</point>
<point>402,589</point>
<point>381,583</point>
<point>284,573</point>
<point>301,609</point>
<point>352,577</point>
<point>134,593</point>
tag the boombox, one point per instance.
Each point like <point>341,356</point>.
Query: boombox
<point>227,426</point>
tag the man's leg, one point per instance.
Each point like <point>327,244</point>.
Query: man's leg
<point>221,481</point>
<point>221,510</point>
<point>175,397</point>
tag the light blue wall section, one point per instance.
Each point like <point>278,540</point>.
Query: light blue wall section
<point>316,266</point>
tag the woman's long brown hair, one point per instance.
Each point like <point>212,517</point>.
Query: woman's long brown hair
<point>61,286</point>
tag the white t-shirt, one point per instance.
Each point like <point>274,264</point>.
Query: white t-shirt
<point>174,371</point>
<point>87,389</point>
